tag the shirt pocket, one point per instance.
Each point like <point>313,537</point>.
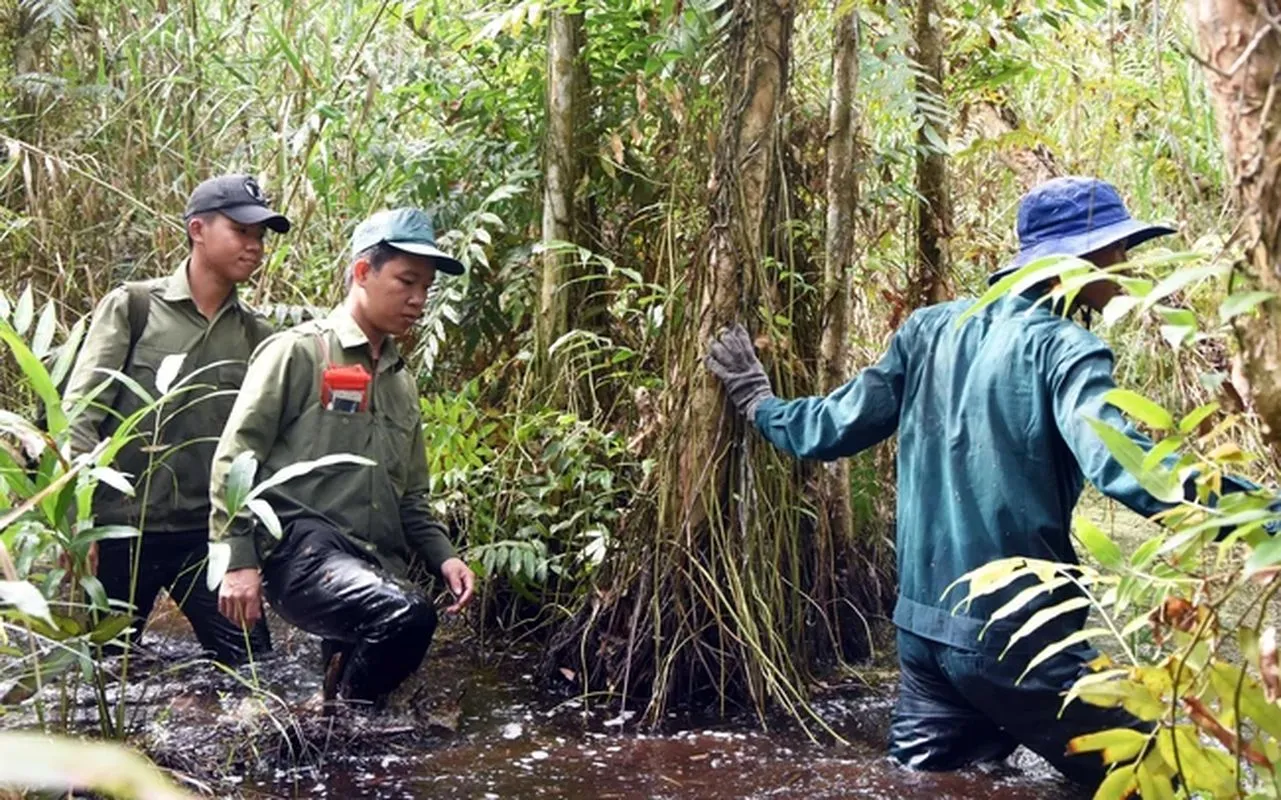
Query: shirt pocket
<point>396,429</point>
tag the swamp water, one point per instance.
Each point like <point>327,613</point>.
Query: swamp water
<point>472,730</point>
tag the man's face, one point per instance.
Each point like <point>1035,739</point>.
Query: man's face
<point>1098,294</point>
<point>394,296</point>
<point>232,250</point>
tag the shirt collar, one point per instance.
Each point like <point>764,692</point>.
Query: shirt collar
<point>351,336</point>
<point>178,286</point>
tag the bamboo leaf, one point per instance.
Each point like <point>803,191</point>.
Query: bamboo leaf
<point>303,467</point>
<point>42,340</point>
<point>1021,599</point>
<point>1198,415</point>
<point>1097,543</point>
<point>263,510</point>
<point>1140,408</point>
<point>1119,784</point>
<point>1117,744</point>
<point>168,370</point>
<point>1234,305</point>
<point>1158,482</point>
<point>35,761</point>
<point>216,568</point>
<point>67,353</point>
<point>38,377</point>
<point>23,314</point>
<point>1049,652</point>
<point>114,478</point>
<point>1154,782</point>
<point>26,598</point>
<point>1043,616</point>
<point>239,480</point>
<point>1038,271</point>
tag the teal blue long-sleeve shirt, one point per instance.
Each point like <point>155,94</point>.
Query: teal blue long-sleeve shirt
<point>994,448</point>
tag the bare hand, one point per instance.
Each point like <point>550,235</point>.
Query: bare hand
<point>461,581</point>
<point>240,597</point>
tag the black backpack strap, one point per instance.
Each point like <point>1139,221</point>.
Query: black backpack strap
<point>139,305</point>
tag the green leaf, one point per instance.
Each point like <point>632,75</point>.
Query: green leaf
<point>1240,303</point>
<point>1118,307</point>
<point>1265,555</point>
<point>263,510</point>
<point>45,329</point>
<point>37,761</point>
<point>1038,271</point>
<point>67,353</point>
<point>1161,451</point>
<point>1158,482</point>
<point>23,314</point>
<point>1117,744</point>
<point>216,568</point>
<point>1097,543</point>
<point>1196,417</point>
<point>110,628</point>
<point>1140,408</point>
<point>94,590</point>
<point>26,598</point>
<point>1145,552</point>
<point>1043,616</point>
<point>39,379</point>
<point>303,467</point>
<point>239,480</point>
<point>114,478</point>
<point>1180,278</point>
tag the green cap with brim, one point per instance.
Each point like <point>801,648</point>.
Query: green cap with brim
<point>408,230</point>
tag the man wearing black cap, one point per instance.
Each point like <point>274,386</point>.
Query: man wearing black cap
<point>992,410</point>
<point>191,320</point>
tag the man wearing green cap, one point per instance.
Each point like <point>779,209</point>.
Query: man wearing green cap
<point>350,531</point>
<point>195,316</point>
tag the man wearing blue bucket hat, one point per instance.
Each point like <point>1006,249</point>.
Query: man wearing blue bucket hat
<point>346,534</point>
<point>993,448</point>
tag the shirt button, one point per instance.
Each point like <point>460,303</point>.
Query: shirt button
<point>375,506</point>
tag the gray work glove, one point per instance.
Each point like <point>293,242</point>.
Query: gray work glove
<point>733,359</point>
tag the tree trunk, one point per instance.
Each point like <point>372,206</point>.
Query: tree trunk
<point>741,174</point>
<point>842,198</point>
<point>1242,49</point>
<point>1032,164</point>
<point>934,204</point>
<point>560,175</point>
<point>703,597</point>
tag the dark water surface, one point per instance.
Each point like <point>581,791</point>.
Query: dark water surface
<point>468,730</point>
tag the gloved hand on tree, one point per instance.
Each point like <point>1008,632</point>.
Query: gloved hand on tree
<point>732,358</point>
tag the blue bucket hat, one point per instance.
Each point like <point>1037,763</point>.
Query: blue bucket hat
<point>408,230</point>
<point>1074,216</point>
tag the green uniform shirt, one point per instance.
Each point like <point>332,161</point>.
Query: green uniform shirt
<point>279,418</point>
<point>170,466</point>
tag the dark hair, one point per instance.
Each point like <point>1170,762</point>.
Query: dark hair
<point>203,216</point>
<point>377,255</point>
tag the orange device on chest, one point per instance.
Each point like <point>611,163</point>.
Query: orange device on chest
<point>344,388</point>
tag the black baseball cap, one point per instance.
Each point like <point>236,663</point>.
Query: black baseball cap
<point>238,197</point>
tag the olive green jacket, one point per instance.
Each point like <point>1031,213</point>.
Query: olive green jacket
<point>279,418</point>
<point>170,454</point>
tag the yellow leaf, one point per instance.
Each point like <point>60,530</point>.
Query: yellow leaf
<point>1117,744</point>
<point>1119,784</point>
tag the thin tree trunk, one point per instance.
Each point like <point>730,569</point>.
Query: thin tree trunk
<point>842,198</point>
<point>934,204</point>
<point>560,175</point>
<point>1242,49</point>
<point>741,174</point>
